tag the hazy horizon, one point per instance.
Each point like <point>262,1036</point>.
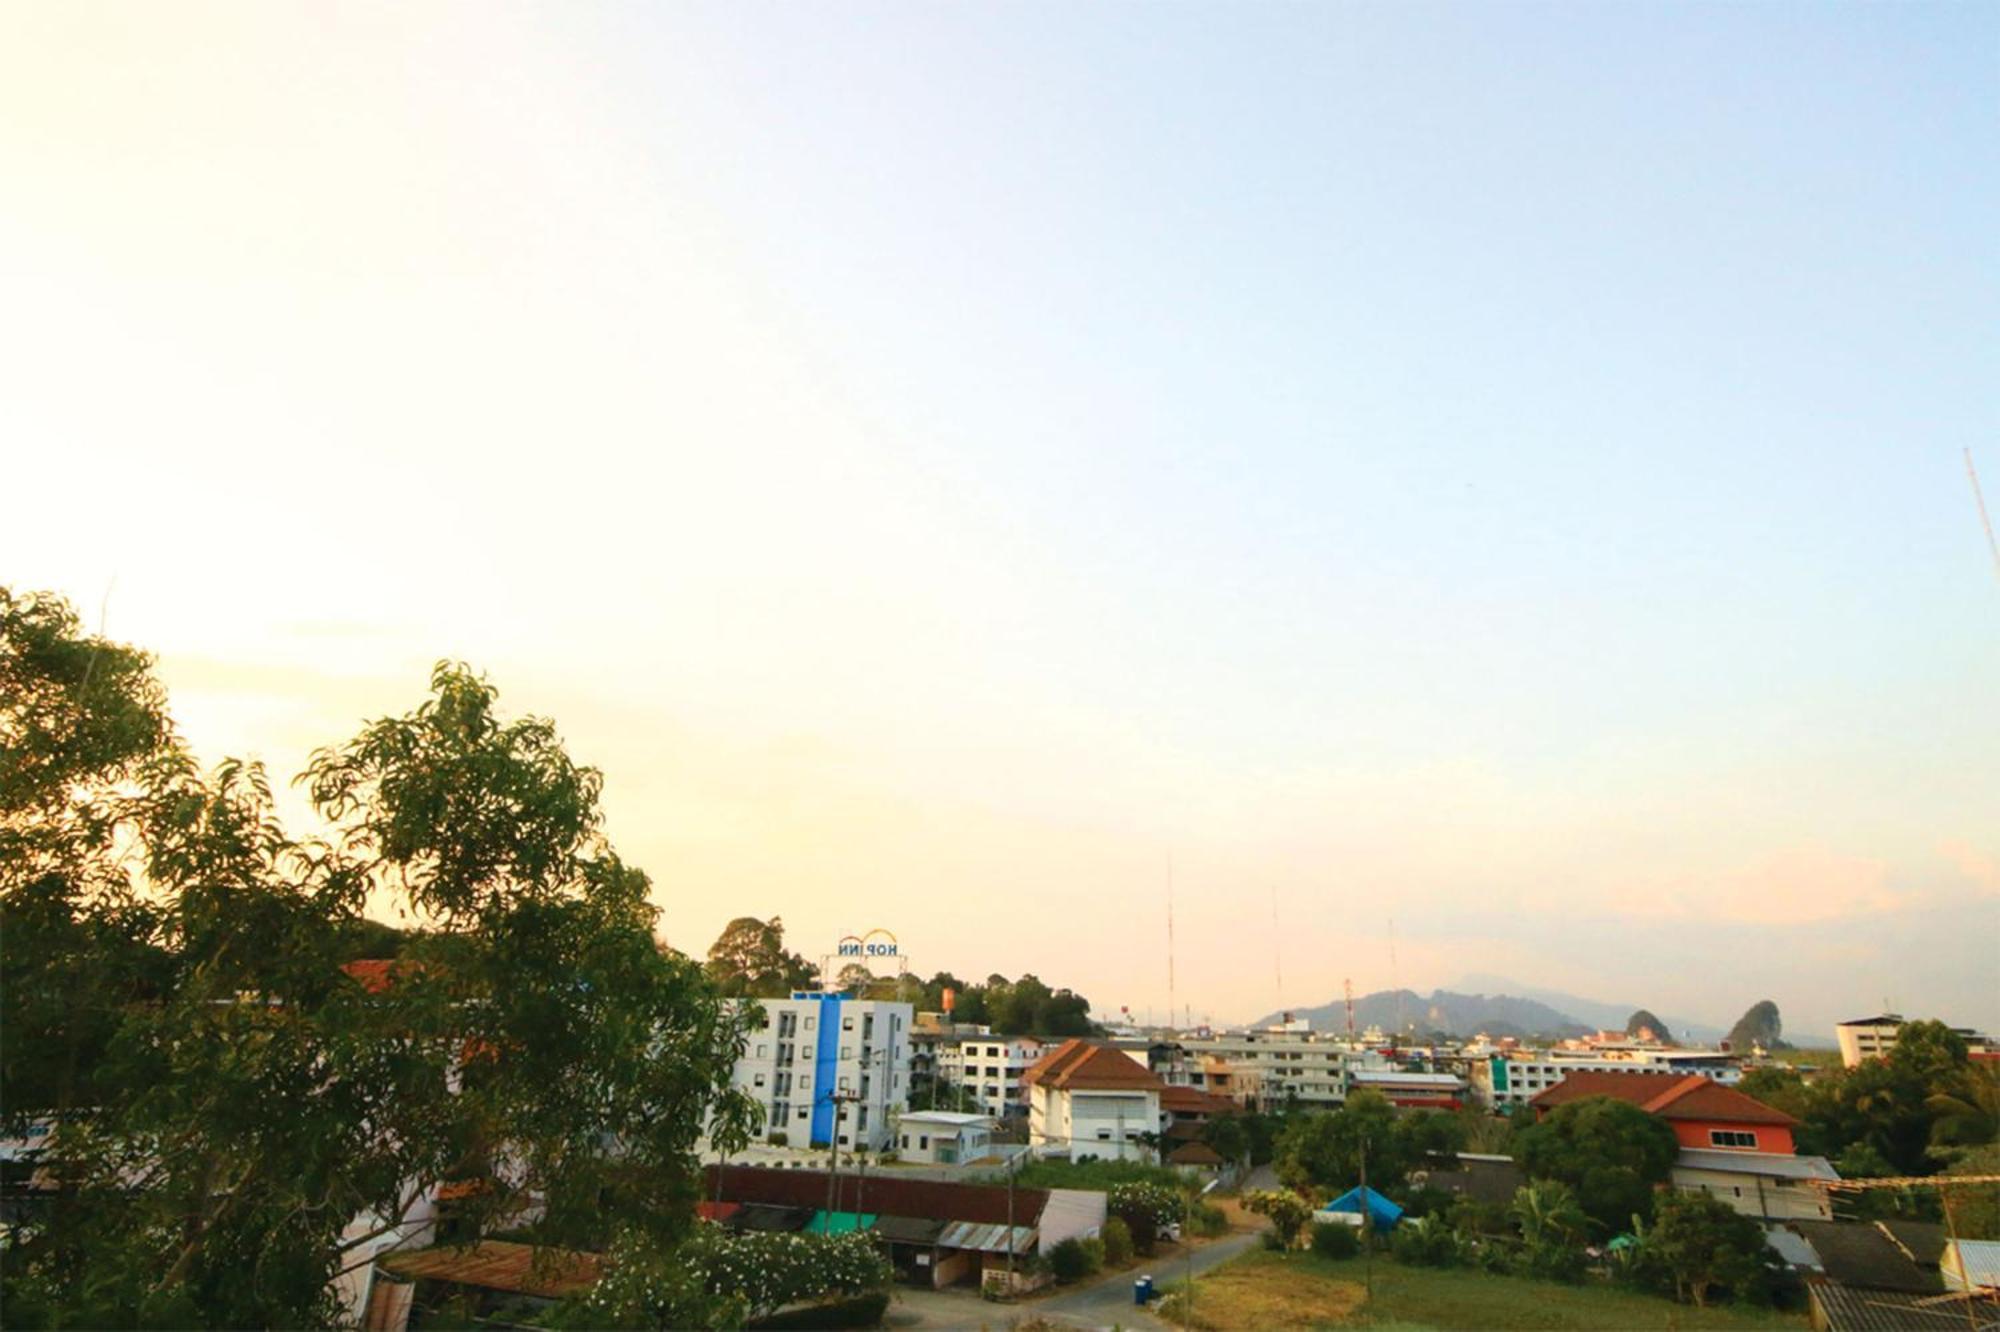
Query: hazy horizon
<point>1493,468</point>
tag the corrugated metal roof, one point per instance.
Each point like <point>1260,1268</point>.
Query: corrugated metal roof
<point>987,1239</point>
<point>1971,1264</point>
<point>839,1223</point>
<point>1792,1247</point>
<point>908,1229</point>
<point>1772,1164</point>
<point>1847,1309</point>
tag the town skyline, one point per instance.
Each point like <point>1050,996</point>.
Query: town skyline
<point>1496,470</point>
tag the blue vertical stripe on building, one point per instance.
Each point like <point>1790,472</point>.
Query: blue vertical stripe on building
<point>826,1069</point>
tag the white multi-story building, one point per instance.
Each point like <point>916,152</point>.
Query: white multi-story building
<point>1092,1100</point>
<point>1515,1077</point>
<point>1873,1037</point>
<point>1272,1066</point>
<point>989,1068</point>
<point>828,1068</point>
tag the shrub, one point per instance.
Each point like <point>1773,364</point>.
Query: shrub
<point>1288,1211</point>
<point>1145,1235</point>
<point>1071,1261</point>
<point>1550,1260</point>
<point>1426,1242</point>
<point>1160,1202</point>
<point>1207,1220</point>
<point>1330,1239</point>
<point>855,1311</point>
<point>1272,1240</point>
<point>1117,1237</point>
<point>1093,1249</point>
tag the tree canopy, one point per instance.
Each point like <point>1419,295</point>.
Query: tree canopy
<point>1026,1007</point>
<point>1323,1151</point>
<point>1610,1152</point>
<point>749,958</point>
<point>235,1117</point>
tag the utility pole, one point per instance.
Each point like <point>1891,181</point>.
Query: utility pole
<point>1367,1221</point>
<point>1011,1165</point>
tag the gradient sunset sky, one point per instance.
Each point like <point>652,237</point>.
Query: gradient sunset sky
<point>1493,467</point>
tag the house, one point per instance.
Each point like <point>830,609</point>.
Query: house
<point>938,1233</point>
<point>1183,1111</point>
<point>827,1068</point>
<point>942,1137</point>
<point>1086,1099</point>
<point>1483,1177</point>
<point>1732,1146</point>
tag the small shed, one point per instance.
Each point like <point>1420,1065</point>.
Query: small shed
<point>943,1137</point>
<point>1362,1205</point>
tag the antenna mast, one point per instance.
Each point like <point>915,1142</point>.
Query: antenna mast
<point>1170,940</point>
<point>1972,474</point>
<point>1348,987</point>
<point>1277,950</point>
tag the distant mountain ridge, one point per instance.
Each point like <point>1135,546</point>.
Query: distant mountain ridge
<point>1443,1010</point>
<point>1595,1013</point>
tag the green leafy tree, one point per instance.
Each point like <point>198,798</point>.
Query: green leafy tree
<point>1612,1153</point>
<point>238,1120</point>
<point>749,958</point>
<point>1705,1243</point>
<point>1288,1212</point>
<point>1227,1136</point>
<point>1324,1151</point>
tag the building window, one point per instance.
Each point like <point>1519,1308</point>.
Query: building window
<point>809,1022</point>
<point>763,1051</point>
<point>847,1024</point>
<point>923,1142</point>
<point>760,1079</point>
<point>1731,1138</point>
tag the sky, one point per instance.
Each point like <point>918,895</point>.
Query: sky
<point>1434,489</point>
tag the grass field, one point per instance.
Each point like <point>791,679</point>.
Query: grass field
<point>1302,1291</point>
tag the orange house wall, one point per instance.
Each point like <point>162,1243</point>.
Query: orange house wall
<point>1770,1137</point>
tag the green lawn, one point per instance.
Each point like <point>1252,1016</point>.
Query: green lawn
<point>1304,1291</point>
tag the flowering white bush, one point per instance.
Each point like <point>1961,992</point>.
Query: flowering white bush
<point>1157,1201</point>
<point>720,1279</point>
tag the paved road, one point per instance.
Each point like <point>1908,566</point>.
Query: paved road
<point>1109,1302</point>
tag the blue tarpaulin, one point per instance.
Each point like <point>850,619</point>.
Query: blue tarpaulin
<point>1381,1213</point>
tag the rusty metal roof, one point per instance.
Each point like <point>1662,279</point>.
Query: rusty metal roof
<point>522,1269</point>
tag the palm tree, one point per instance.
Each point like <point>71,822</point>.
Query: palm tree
<point>1548,1213</point>
<point>1969,1113</point>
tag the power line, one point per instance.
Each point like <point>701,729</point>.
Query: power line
<point>1978,498</point>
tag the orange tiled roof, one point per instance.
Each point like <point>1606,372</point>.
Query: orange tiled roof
<point>1077,1065</point>
<point>1689,1096</point>
<point>1195,1101</point>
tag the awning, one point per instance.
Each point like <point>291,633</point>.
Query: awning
<point>987,1239</point>
<point>839,1223</point>
<point>908,1229</point>
<point>768,1216</point>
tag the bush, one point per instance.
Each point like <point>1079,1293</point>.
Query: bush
<point>1330,1239</point>
<point>1117,1238</point>
<point>858,1311</point>
<point>1288,1211</point>
<point>1145,1235</point>
<point>1272,1240</point>
<point>1207,1220</point>
<point>1093,1249</point>
<point>1071,1261</point>
<point>1161,1202</point>
<point>1550,1261</point>
<point>1427,1243</point>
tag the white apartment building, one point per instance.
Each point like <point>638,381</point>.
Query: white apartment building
<point>1272,1066</point>
<point>828,1068</point>
<point>1516,1077</point>
<point>990,1068</point>
<point>1873,1037</point>
<point>1091,1100</point>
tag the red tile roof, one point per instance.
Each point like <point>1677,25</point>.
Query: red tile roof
<point>1195,1101</point>
<point>1077,1065</point>
<point>1689,1096</point>
<point>1194,1154</point>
